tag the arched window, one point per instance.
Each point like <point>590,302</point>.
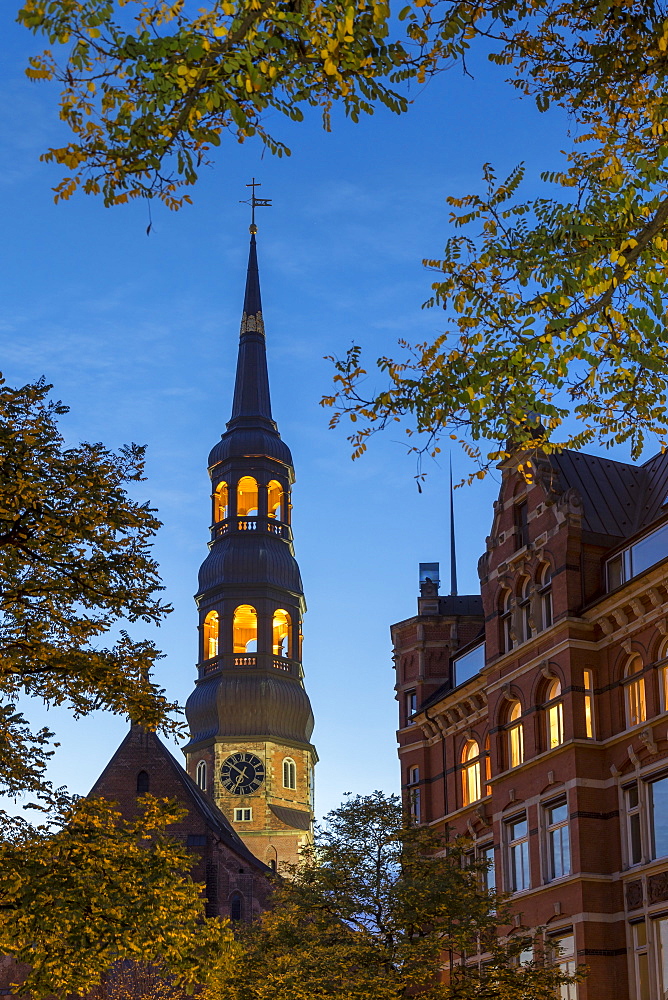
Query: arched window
<point>488,767</point>
<point>211,624</point>
<point>663,677</point>
<point>142,783</point>
<point>505,622</point>
<point>636,707</point>
<point>244,629</point>
<point>281,633</point>
<point>524,609</point>
<point>274,498</point>
<point>247,497</point>
<point>554,714</point>
<point>470,773</point>
<point>289,773</point>
<point>201,775</point>
<point>515,735</point>
<point>220,508</point>
<point>545,596</point>
<point>236,906</point>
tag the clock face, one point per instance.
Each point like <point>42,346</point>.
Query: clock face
<point>242,773</point>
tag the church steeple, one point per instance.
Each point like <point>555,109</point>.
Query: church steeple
<point>250,717</point>
<point>251,388</point>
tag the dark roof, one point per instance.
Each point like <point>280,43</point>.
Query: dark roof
<point>296,818</point>
<point>466,605</point>
<point>618,499</point>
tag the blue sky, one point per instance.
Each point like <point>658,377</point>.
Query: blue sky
<point>138,335</point>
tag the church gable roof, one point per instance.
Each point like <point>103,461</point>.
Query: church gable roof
<point>143,750</point>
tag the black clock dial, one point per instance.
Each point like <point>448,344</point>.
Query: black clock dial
<point>242,773</point>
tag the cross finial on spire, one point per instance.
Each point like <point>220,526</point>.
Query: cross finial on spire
<point>255,203</point>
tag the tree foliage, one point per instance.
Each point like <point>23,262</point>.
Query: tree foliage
<point>374,911</point>
<point>83,889</point>
<point>87,890</point>
<point>149,87</point>
<point>554,306</point>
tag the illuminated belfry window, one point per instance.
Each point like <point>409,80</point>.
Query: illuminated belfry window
<point>244,629</point>
<point>211,625</point>
<point>281,633</point>
<point>220,503</point>
<point>247,497</point>
<point>471,772</point>
<point>554,715</point>
<point>274,499</point>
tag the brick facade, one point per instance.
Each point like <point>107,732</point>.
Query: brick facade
<point>574,668</point>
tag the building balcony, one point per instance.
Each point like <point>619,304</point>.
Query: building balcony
<point>252,661</point>
<point>257,523</point>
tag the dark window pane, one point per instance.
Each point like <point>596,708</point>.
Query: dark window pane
<point>636,843</point>
<point>659,794</point>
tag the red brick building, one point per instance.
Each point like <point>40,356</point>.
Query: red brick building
<point>237,884</point>
<point>534,717</point>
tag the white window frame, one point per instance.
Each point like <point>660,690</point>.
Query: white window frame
<point>550,830</point>
<point>201,775</point>
<point>511,844</point>
<point>243,814</point>
<point>289,774</point>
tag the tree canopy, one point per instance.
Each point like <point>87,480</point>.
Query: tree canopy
<point>375,910</point>
<point>83,889</point>
<point>554,318</point>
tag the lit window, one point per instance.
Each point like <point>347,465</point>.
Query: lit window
<point>274,498</point>
<point>243,815</point>
<point>411,706</point>
<point>589,703</point>
<point>244,629</point>
<point>554,714</point>
<point>558,840</point>
<point>211,626</point>
<point>524,610</point>
<point>281,633</point>
<point>521,524</point>
<point>641,957</point>
<point>488,768</point>
<point>545,597</point>
<point>201,775</point>
<point>506,623</point>
<point>289,773</point>
<point>470,773</point>
<point>563,949</point>
<point>636,709</point>
<point>220,509</point>
<point>515,735</point>
<point>142,783</point>
<point>517,832</point>
<point>247,497</point>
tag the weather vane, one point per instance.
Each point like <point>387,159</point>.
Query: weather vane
<point>255,203</point>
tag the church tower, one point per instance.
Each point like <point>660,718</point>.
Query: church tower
<point>250,718</point>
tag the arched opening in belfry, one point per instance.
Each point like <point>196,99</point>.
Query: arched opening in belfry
<point>244,629</point>
<point>274,500</point>
<point>211,626</point>
<point>247,497</point>
<point>281,633</point>
<point>220,503</point>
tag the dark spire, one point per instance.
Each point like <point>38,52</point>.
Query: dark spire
<point>252,405</point>
<point>453,551</point>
